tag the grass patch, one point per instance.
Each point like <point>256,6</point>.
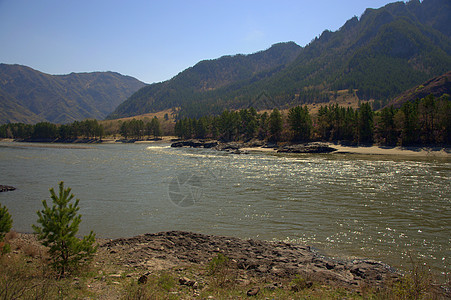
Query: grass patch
<point>23,278</point>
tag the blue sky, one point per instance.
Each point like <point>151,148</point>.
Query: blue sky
<point>155,40</point>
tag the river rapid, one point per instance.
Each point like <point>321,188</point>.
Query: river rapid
<point>387,208</point>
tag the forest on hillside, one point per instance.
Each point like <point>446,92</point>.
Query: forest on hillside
<point>422,122</point>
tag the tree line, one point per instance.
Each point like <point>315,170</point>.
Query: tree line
<point>88,129</point>
<point>423,122</point>
<point>47,130</point>
<point>138,128</point>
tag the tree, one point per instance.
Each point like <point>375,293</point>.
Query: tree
<point>5,222</point>
<point>201,128</point>
<point>386,127</point>
<point>365,123</point>
<point>124,130</point>
<point>300,123</point>
<point>407,121</point>
<point>275,125</point>
<point>154,127</point>
<point>59,225</point>
<point>45,130</point>
<point>263,121</point>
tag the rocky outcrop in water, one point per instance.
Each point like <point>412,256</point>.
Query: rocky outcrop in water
<point>235,147</point>
<point>307,148</point>
<point>232,147</point>
<point>6,188</point>
<point>195,144</point>
<point>273,260</point>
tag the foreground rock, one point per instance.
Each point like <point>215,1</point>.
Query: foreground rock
<point>273,260</point>
<point>6,188</point>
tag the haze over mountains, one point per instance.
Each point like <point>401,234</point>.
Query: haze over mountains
<point>378,56</point>
<point>30,96</point>
<point>381,54</point>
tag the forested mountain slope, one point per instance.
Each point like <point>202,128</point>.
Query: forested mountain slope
<point>379,55</point>
<point>206,77</point>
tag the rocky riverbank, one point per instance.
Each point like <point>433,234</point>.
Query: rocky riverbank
<point>252,258</point>
<point>186,265</point>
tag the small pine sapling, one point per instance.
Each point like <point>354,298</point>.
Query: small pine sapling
<point>5,226</point>
<point>57,230</point>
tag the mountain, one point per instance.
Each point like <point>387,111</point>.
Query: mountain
<point>207,76</point>
<point>436,86</point>
<point>30,96</point>
<point>379,55</point>
<point>11,111</point>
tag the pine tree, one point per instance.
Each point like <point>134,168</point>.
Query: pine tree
<point>365,123</point>
<point>275,125</point>
<point>5,222</point>
<point>59,225</point>
<point>300,123</point>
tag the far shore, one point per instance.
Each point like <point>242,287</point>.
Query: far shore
<point>439,152</point>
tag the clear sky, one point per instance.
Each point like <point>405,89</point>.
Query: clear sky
<point>155,40</point>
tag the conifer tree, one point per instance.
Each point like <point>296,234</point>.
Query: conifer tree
<point>300,123</point>
<point>365,123</point>
<point>59,225</point>
<point>5,222</point>
<point>275,125</point>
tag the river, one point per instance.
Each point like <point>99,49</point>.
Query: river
<point>387,208</point>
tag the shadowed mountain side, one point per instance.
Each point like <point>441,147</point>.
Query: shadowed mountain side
<point>437,86</point>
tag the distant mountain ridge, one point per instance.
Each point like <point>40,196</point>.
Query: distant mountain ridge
<point>379,55</point>
<point>30,96</point>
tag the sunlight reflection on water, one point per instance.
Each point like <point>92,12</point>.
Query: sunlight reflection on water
<point>355,206</point>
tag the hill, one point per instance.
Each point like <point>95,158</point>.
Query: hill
<point>379,55</point>
<point>30,96</point>
<point>436,86</point>
<point>205,78</point>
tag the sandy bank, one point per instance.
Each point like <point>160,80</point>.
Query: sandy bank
<point>376,150</point>
<point>406,151</point>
